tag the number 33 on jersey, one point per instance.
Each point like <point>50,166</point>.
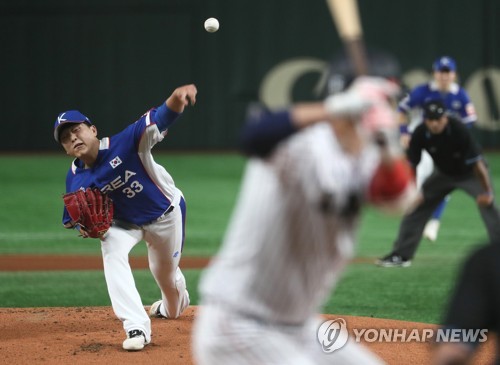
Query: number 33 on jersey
<point>141,189</point>
<point>130,191</point>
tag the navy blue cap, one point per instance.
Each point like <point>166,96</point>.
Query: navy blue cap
<point>444,63</point>
<point>70,116</point>
<point>434,109</point>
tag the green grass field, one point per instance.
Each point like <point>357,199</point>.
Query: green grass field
<point>31,207</point>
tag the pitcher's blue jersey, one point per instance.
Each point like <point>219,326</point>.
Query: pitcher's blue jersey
<point>141,189</point>
<point>457,101</point>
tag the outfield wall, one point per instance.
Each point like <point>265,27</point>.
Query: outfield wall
<point>113,59</point>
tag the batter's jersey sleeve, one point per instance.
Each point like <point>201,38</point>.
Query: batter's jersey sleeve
<point>264,130</point>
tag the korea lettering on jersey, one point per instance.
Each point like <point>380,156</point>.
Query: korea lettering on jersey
<point>457,101</point>
<point>141,189</point>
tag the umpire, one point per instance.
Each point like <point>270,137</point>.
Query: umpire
<point>458,165</point>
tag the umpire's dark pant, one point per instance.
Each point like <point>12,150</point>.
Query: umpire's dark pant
<point>434,189</point>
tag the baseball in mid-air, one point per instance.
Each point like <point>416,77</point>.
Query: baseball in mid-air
<point>211,25</point>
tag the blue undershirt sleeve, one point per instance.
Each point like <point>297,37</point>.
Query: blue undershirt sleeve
<point>165,117</point>
<point>264,131</point>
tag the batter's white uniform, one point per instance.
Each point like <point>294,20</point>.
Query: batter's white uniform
<point>290,236</point>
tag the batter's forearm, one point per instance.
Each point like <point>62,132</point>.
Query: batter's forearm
<point>264,130</point>
<point>306,114</point>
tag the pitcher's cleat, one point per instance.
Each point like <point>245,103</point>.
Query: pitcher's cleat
<point>136,340</point>
<point>154,310</point>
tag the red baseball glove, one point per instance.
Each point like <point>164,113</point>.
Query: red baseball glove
<point>91,209</point>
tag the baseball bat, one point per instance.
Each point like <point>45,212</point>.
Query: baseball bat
<point>345,14</point>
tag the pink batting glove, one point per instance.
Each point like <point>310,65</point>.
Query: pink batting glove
<point>378,90</point>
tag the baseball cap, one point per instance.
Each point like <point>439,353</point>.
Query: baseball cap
<point>70,116</point>
<point>434,109</point>
<point>444,63</point>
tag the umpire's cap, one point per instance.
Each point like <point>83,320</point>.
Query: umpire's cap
<point>444,63</point>
<point>70,116</point>
<point>434,109</point>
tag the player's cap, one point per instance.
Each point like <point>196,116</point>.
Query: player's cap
<point>434,109</point>
<point>70,116</point>
<point>444,63</point>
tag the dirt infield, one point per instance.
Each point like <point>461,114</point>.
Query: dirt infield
<point>60,262</point>
<point>82,262</point>
<point>93,335</point>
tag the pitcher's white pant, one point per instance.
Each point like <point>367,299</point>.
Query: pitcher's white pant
<point>164,240</point>
<point>223,337</point>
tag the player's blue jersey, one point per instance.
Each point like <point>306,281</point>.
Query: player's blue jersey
<point>457,101</point>
<point>141,189</point>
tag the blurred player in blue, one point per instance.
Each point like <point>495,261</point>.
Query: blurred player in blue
<point>458,104</point>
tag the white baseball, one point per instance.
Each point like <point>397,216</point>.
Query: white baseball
<point>211,25</point>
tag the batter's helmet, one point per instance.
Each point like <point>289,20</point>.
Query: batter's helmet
<point>341,73</point>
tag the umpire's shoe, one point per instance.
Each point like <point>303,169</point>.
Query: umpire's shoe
<point>136,340</point>
<point>393,260</point>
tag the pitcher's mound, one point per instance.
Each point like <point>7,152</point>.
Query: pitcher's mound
<point>94,336</point>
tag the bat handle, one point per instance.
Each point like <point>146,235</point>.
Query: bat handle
<point>356,52</point>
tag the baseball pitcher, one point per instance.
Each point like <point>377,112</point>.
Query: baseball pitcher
<point>116,177</point>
